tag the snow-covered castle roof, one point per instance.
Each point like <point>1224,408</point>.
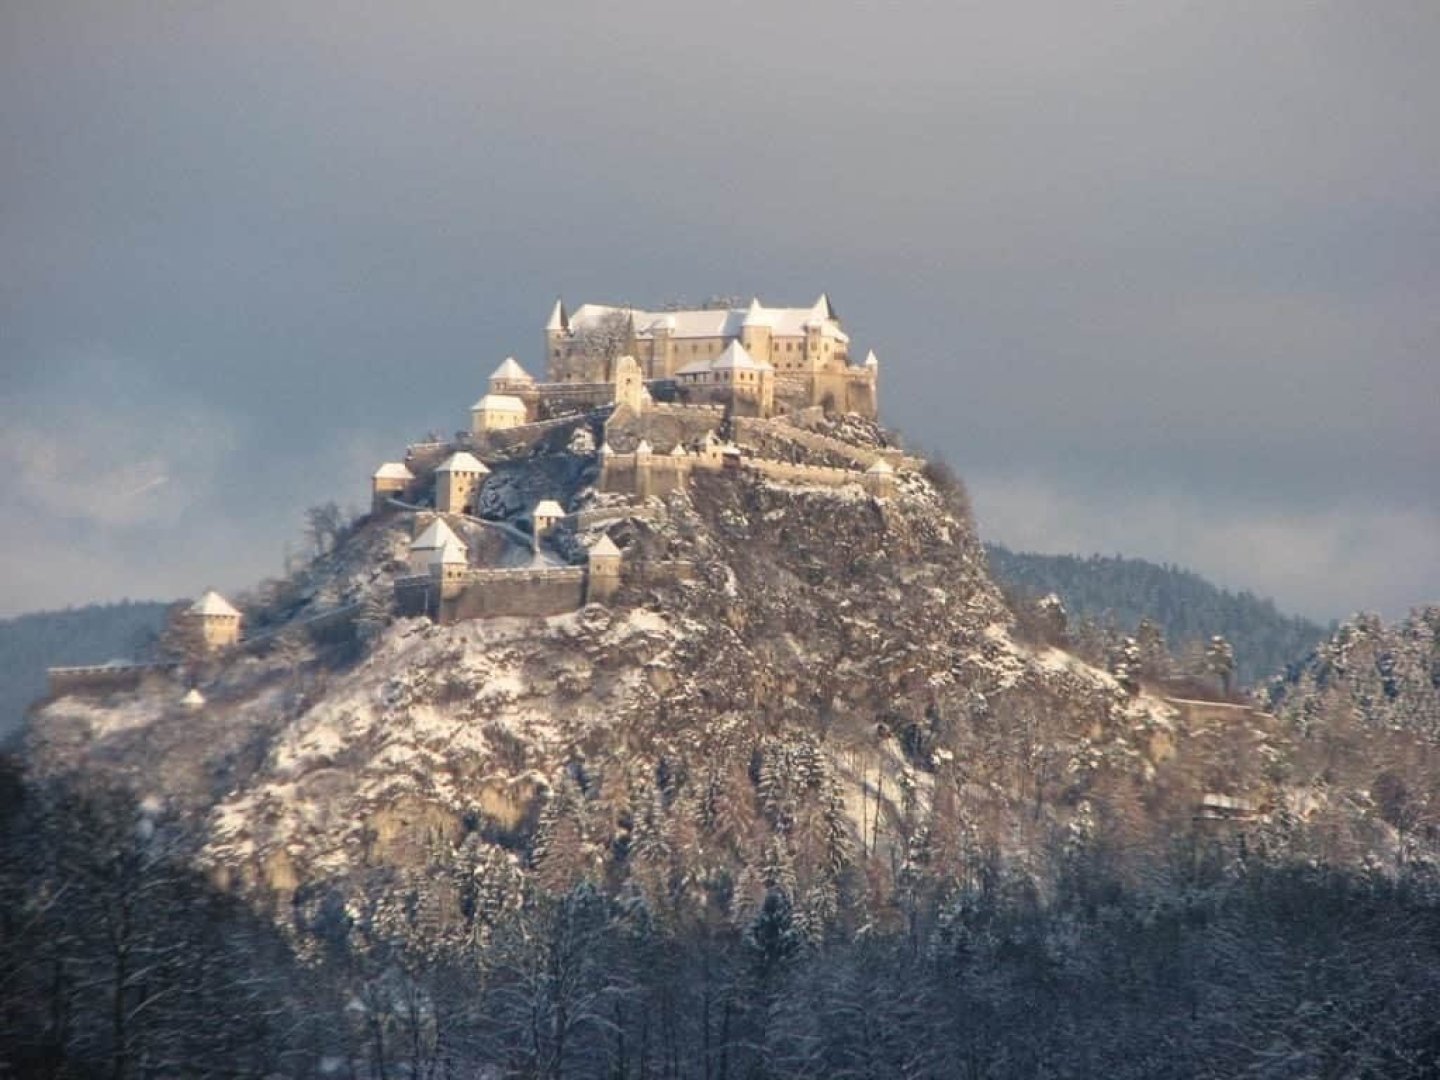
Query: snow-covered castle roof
<point>434,537</point>
<point>212,603</point>
<point>393,470</point>
<point>462,461</point>
<point>709,322</point>
<point>510,371</point>
<point>499,403</point>
<point>734,358</point>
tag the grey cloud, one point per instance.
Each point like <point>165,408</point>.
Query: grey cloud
<point>1174,253</point>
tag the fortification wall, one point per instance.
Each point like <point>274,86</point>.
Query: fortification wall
<point>100,678</point>
<point>660,572</point>
<point>553,399</point>
<point>864,457</point>
<point>804,474</point>
<point>423,457</point>
<point>493,593</point>
<point>521,434</point>
<point>660,475</point>
<point>605,515</point>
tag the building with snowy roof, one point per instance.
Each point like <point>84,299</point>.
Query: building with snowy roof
<point>458,480</point>
<point>392,480</point>
<point>544,517</point>
<point>435,544</point>
<point>734,378</point>
<point>497,412</point>
<point>806,348</point>
<point>602,570</point>
<point>217,620</point>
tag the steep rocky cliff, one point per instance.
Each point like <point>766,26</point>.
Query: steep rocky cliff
<point>802,688</point>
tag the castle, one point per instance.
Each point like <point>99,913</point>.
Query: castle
<point>753,361</point>
<point>660,385</point>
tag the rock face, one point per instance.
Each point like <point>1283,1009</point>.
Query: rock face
<point>793,685</point>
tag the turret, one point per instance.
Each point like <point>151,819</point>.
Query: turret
<point>880,479</point>
<point>630,389</point>
<point>755,332</point>
<point>217,619</point>
<point>429,548</point>
<point>546,515</point>
<point>557,333</point>
<point>391,481</point>
<point>602,579</point>
<point>457,481</point>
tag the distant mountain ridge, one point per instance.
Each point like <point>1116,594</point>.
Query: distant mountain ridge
<point>1187,607</point>
<point>91,634</point>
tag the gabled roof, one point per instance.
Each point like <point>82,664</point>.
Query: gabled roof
<point>462,461</point>
<point>453,551</point>
<point>678,450</point>
<point>735,358</point>
<point>547,508</point>
<point>212,603</point>
<point>606,449</point>
<point>605,546</point>
<point>393,470</point>
<point>499,403</point>
<point>434,537</point>
<point>511,371</point>
<point>193,698</point>
<point>716,322</point>
<point>558,319</point>
<point>644,447</point>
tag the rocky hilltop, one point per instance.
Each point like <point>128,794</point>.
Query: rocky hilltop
<point>798,687</point>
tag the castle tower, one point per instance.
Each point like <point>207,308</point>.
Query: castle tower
<point>457,482</point>
<point>391,480</point>
<point>496,412</point>
<point>662,347</point>
<point>544,517</point>
<point>755,332</point>
<point>510,378</point>
<point>880,479</point>
<point>557,334</point>
<point>602,580</point>
<point>630,392</point>
<point>217,619</point>
<point>429,548</point>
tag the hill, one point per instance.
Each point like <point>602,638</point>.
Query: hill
<point>1116,591</point>
<point>793,801</point>
<point>86,635</point>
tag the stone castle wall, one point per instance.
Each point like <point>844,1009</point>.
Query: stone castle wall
<point>487,594</point>
<point>821,475</point>
<point>101,678</point>
<point>812,440</point>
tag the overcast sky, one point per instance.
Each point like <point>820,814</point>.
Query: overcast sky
<point>1158,279</point>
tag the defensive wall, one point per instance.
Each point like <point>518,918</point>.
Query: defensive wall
<point>101,678</point>
<point>502,439</point>
<point>484,594</point>
<point>607,515</point>
<point>819,475</point>
<point>461,593</point>
<point>862,456</point>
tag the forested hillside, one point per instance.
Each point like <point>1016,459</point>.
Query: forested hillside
<point>1112,590</point>
<point>88,635</point>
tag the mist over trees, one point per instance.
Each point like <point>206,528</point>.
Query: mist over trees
<point>86,635</point>
<point>1117,593</point>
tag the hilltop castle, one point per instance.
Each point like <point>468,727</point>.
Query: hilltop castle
<point>754,361</point>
